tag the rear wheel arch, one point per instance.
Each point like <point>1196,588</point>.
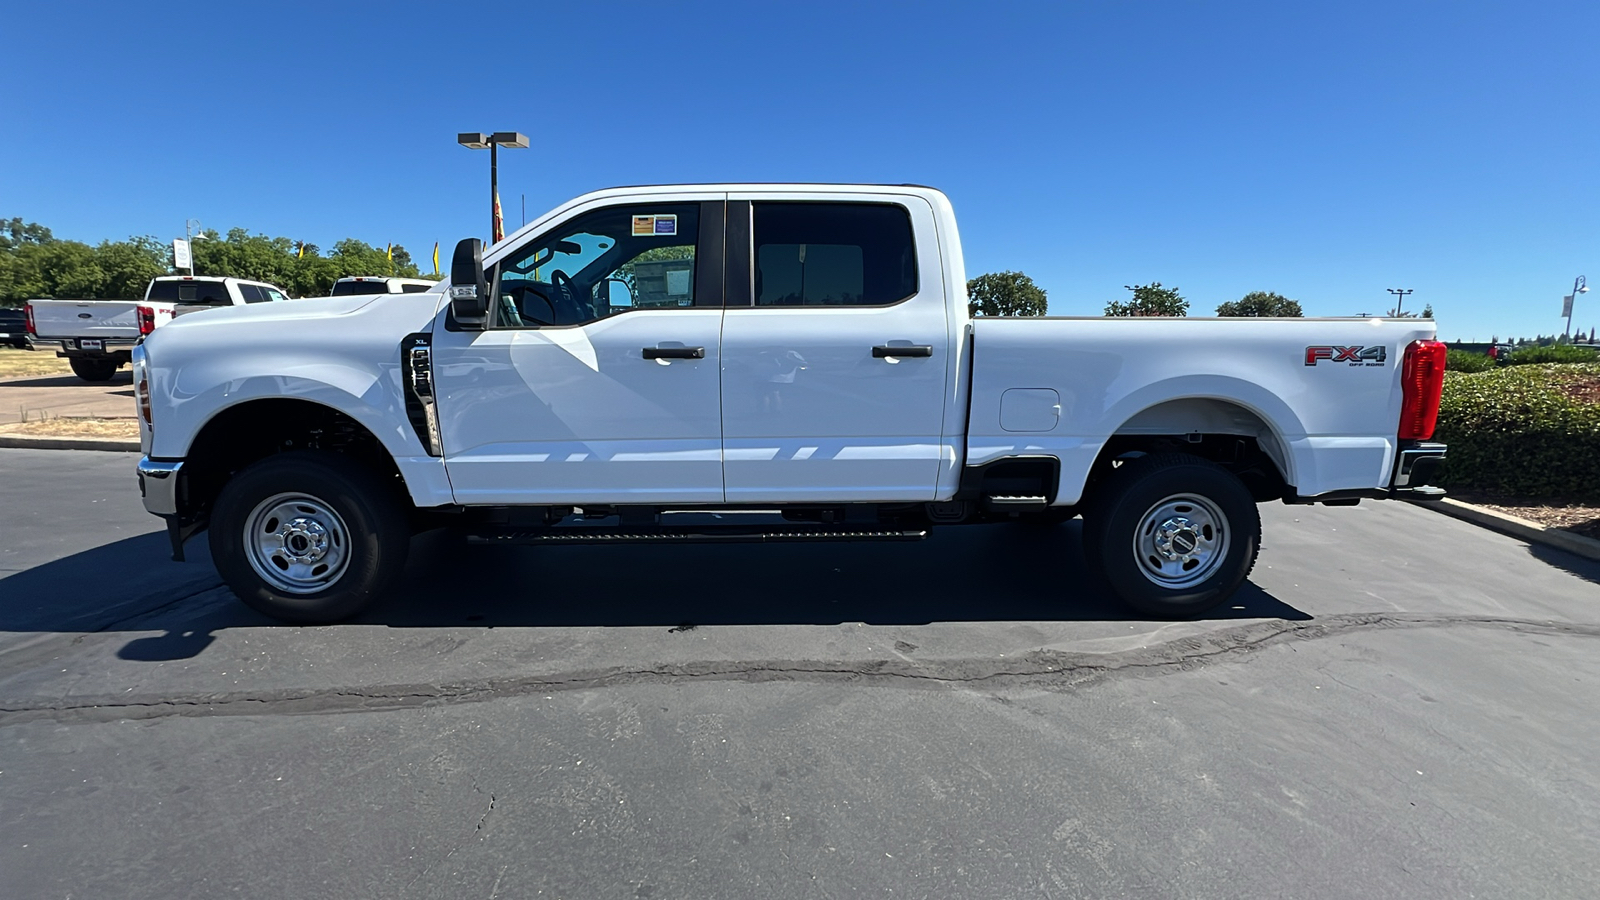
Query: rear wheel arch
<point>1230,434</point>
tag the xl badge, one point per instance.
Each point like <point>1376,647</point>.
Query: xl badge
<point>1355,356</point>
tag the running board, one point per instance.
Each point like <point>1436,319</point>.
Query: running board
<point>691,535</point>
<point>1014,504</point>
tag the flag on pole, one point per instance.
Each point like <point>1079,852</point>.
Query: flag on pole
<point>302,253</point>
<point>499,224</point>
<point>435,257</point>
<point>388,250</point>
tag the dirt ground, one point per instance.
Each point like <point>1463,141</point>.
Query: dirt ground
<point>77,426</point>
<point>1578,518</point>
<point>28,363</point>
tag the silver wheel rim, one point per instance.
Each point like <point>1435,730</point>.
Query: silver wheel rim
<point>1181,541</point>
<point>296,543</point>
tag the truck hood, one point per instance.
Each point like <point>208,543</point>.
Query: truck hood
<point>283,311</point>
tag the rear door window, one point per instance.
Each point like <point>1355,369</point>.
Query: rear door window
<point>252,293</point>
<point>833,254</point>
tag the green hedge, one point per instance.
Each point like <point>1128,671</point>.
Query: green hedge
<point>1511,431</point>
<point>1462,361</point>
<point>1555,353</point>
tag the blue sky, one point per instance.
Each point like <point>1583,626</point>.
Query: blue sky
<point>1325,151</point>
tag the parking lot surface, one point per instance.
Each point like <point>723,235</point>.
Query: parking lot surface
<point>1398,704</point>
<point>54,396</point>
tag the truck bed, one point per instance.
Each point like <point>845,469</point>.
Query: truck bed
<point>1064,386</point>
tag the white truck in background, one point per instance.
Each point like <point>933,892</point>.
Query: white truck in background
<point>641,353</point>
<point>380,284</point>
<point>98,336</point>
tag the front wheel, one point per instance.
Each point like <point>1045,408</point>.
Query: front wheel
<point>308,537</point>
<point>1175,535</point>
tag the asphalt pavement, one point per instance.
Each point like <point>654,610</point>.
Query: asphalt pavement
<point>1398,704</point>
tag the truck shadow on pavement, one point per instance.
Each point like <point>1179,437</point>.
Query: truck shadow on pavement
<point>977,574</point>
<point>123,377</point>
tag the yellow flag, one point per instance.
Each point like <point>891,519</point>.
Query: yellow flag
<point>388,250</point>
<point>302,254</point>
<point>435,257</point>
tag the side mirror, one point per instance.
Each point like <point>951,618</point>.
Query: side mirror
<point>615,292</point>
<point>469,289</point>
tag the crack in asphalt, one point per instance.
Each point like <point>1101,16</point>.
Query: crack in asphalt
<point>1048,669</point>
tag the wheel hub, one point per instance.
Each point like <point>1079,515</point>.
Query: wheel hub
<point>304,540</point>
<point>1182,541</point>
<point>1178,539</point>
<point>297,543</point>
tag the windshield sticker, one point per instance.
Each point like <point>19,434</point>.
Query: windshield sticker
<point>657,226</point>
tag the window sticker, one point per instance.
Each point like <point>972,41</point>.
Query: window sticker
<point>657,226</point>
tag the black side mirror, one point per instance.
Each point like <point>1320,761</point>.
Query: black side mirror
<point>469,289</point>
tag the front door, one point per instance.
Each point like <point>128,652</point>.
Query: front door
<point>835,351</point>
<point>596,380</point>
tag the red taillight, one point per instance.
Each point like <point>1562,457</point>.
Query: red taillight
<point>147,320</point>
<point>32,329</point>
<point>1421,384</point>
<point>143,392</point>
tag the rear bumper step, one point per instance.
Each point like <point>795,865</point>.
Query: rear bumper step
<point>773,535</point>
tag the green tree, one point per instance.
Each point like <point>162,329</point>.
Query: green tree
<point>1427,311</point>
<point>1261,303</point>
<point>1149,300</point>
<point>1005,294</point>
<point>14,233</point>
<point>129,265</point>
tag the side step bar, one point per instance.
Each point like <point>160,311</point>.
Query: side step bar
<point>691,535</point>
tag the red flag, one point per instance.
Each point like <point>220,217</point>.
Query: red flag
<point>499,224</point>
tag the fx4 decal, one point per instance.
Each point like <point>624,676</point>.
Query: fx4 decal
<point>1355,356</point>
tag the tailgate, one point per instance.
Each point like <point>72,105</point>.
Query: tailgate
<point>86,318</point>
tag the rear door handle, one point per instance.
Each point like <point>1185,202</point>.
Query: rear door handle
<point>674,353</point>
<point>885,351</point>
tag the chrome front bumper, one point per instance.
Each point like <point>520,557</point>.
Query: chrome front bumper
<point>158,484</point>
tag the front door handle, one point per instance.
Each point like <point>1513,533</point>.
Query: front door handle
<point>885,351</point>
<point>674,353</point>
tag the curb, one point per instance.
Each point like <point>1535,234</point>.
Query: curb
<point>18,441</point>
<point>1532,532</point>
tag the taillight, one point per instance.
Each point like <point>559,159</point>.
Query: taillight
<point>147,320</point>
<point>1421,385</point>
<point>143,392</point>
<point>32,329</point>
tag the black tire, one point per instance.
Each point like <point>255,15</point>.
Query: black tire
<point>340,498</point>
<point>93,369</point>
<point>1185,494</point>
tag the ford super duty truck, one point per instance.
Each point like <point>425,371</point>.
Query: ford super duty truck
<point>97,336</point>
<point>798,360</point>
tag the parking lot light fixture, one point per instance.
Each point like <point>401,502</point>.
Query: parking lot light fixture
<point>477,140</point>
<point>1581,286</point>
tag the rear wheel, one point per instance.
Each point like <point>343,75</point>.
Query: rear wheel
<point>308,537</point>
<point>93,368</point>
<point>1174,535</point>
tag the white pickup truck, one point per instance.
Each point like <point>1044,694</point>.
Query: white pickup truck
<point>97,336</point>
<point>800,354</point>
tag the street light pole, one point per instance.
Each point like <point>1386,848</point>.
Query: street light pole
<point>1581,286</point>
<point>477,140</point>
<point>188,226</point>
<point>1400,298</point>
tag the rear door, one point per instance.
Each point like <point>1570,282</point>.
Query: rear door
<point>597,378</point>
<point>835,349</point>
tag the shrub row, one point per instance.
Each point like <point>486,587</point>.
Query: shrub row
<point>1555,353</point>
<point>1511,431</point>
<point>1462,361</point>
